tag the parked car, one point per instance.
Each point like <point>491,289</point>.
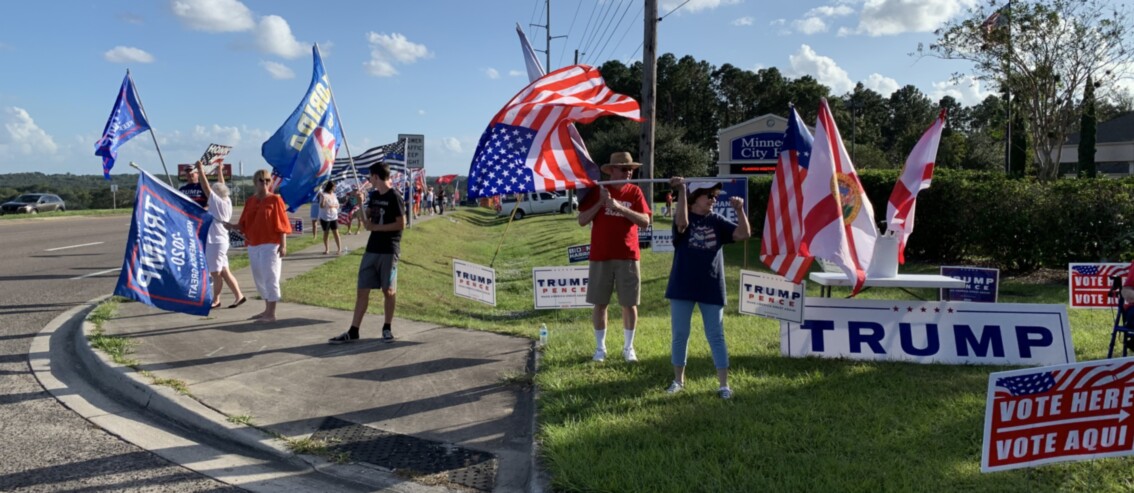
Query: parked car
<point>536,203</point>
<point>33,203</point>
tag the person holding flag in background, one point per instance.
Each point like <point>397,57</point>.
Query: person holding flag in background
<point>302,151</point>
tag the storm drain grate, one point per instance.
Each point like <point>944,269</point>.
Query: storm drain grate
<point>466,467</point>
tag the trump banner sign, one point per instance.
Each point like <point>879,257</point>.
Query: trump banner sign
<point>475,282</point>
<point>164,265</point>
<point>1058,413</point>
<point>560,287</point>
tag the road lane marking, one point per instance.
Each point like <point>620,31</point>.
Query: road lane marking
<point>74,246</point>
<point>93,274</point>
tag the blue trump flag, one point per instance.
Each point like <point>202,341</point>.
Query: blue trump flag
<point>127,119</point>
<point>164,265</point>
<point>302,152</point>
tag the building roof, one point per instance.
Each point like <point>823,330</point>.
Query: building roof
<point>1116,130</point>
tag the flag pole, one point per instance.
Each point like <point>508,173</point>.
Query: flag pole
<point>505,233</point>
<point>339,117</point>
<point>409,177</point>
<point>151,129</point>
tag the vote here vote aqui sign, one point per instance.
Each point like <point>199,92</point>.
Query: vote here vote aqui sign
<point>1089,284</point>
<point>1060,413</point>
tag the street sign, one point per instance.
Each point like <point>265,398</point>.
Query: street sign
<point>415,150</point>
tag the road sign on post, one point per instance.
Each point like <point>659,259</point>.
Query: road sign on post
<point>415,150</point>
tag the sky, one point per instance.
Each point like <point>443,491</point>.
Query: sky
<point>232,71</point>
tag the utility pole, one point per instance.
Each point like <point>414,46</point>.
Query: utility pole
<point>649,96</point>
<point>547,30</point>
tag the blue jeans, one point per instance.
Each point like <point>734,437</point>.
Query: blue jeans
<point>681,314</point>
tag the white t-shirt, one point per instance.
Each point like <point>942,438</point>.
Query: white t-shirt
<point>221,210</point>
<point>329,209</point>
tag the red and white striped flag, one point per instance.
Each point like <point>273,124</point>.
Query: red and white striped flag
<point>838,220</point>
<point>527,146</point>
<point>916,176</point>
<point>780,248</point>
<point>214,156</point>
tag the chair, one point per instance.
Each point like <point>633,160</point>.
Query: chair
<point>1123,320</point>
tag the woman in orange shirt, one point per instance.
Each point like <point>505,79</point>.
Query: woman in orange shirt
<point>265,225</point>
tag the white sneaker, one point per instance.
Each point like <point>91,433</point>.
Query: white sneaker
<point>725,393</point>
<point>600,355</point>
<point>674,388</point>
<point>629,355</point>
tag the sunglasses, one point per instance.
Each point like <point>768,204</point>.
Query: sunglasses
<point>264,181</point>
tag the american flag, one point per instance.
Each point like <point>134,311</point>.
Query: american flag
<point>527,146</point>
<point>994,21</point>
<point>393,154</point>
<point>1079,377</point>
<point>1100,270</point>
<point>783,222</point>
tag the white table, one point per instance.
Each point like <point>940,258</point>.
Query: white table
<point>827,280</point>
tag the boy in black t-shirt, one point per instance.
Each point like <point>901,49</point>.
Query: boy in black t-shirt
<point>382,215</point>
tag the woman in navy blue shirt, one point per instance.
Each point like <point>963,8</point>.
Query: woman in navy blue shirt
<point>697,275</point>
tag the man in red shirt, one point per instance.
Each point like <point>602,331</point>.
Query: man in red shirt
<point>617,211</point>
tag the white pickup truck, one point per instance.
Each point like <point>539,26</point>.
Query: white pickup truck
<point>536,203</point>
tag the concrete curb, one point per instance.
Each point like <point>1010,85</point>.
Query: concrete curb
<point>168,402</point>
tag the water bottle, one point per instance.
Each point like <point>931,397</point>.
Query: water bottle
<point>542,335</point>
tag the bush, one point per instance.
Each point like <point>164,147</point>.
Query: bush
<point>1014,224</point>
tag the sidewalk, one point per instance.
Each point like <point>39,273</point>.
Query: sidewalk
<point>433,405</point>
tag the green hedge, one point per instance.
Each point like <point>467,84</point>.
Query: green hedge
<point>987,219</point>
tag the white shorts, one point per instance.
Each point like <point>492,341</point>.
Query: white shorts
<point>216,256</point>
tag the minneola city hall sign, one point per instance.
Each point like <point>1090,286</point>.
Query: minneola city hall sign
<point>752,147</point>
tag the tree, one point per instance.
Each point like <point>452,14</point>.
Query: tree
<point>1087,131</point>
<point>1042,51</point>
<point>673,154</point>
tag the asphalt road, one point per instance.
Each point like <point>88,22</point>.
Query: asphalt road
<point>46,267</point>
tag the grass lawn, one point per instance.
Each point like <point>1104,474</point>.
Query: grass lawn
<point>793,424</point>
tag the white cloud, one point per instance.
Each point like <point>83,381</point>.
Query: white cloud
<point>385,49</point>
<point>967,91</point>
<point>22,136</point>
<point>743,21</point>
<point>516,73</point>
<point>824,69</point>
<point>277,70</point>
<point>810,25</point>
<point>451,144</point>
<point>213,15</point>
<point>492,73</point>
<point>830,11</point>
<point>421,112</point>
<point>273,36</point>
<point>127,54</point>
<point>881,84</point>
<point>692,6</point>
<point>890,17</point>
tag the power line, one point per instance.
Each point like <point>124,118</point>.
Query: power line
<point>627,31</point>
<point>595,33</point>
<point>672,11</point>
<point>572,28</point>
<point>616,26</point>
<point>586,29</point>
<point>606,27</point>
<point>532,20</point>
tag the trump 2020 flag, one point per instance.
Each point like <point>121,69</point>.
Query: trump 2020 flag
<point>838,218</point>
<point>164,265</point>
<point>127,119</point>
<point>527,146</point>
<point>302,152</point>
<point>916,176</point>
<point>780,247</point>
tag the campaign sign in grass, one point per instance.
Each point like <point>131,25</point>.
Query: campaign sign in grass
<point>578,253</point>
<point>981,284</point>
<point>1089,284</point>
<point>662,240</point>
<point>645,235</point>
<point>560,287</point>
<point>931,332</point>
<point>164,265</point>
<point>729,189</point>
<point>1058,413</point>
<point>475,282</point>
<point>771,296</point>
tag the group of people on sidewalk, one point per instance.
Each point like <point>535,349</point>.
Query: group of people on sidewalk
<point>696,277</point>
<point>614,212</point>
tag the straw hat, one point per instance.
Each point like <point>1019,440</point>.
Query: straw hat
<point>622,159</point>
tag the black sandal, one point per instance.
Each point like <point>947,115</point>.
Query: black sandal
<point>238,302</point>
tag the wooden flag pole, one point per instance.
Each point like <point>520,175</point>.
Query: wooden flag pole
<point>511,217</point>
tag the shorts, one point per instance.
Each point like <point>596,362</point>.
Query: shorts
<point>606,275</point>
<point>329,225</point>
<point>378,271</point>
<point>216,256</point>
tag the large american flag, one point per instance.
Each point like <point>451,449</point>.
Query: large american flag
<point>783,223</point>
<point>1063,380</point>
<point>527,146</point>
<point>393,154</point>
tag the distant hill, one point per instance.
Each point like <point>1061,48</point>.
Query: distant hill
<point>78,191</point>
